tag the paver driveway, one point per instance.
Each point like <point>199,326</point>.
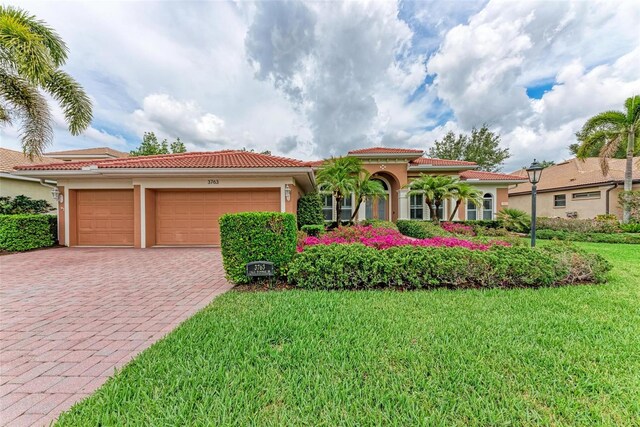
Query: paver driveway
<point>69,316</point>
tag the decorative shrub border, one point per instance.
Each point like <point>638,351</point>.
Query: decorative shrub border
<point>27,231</point>
<point>627,238</point>
<point>356,266</point>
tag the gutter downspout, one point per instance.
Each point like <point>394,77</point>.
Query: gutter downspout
<point>43,183</point>
<point>607,196</point>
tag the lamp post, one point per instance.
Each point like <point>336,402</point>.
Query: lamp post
<point>534,172</point>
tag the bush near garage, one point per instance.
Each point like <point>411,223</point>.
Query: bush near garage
<point>310,210</point>
<point>25,232</point>
<point>19,205</point>
<point>356,266</point>
<point>256,236</point>
<point>575,236</point>
<point>420,229</point>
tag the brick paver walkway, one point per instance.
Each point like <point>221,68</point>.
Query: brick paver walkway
<point>70,316</point>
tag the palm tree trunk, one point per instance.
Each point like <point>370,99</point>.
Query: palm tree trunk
<point>453,214</point>
<point>357,209</point>
<point>628,174</point>
<point>338,209</point>
<point>434,214</point>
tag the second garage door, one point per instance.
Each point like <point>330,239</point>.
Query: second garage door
<point>191,217</point>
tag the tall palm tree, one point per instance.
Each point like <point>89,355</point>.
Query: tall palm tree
<point>465,193</point>
<point>31,54</point>
<point>366,188</point>
<point>436,189</point>
<point>339,176</point>
<point>611,130</point>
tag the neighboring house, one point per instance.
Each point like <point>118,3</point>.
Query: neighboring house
<point>98,153</point>
<point>575,189</point>
<point>176,199</point>
<point>14,185</point>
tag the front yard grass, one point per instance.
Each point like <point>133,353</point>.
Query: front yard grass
<point>557,356</point>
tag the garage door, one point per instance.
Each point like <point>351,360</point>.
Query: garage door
<point>191,217</point>
<point>104,217</point>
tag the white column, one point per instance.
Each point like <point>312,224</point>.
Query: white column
<point>403,204</point>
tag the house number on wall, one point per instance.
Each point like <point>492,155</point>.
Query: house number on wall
<point>213,181</point>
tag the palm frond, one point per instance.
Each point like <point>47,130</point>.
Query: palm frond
<point>632,106</point>
<point>75,103</point>
<point>607,152</point>
<point>608,120</point>
<point>5,116</point>
<point>31,107</point>
<point>591,141</point>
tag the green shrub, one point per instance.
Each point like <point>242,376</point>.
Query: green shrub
<point>578,225</point>
<point>25,232</point>
<point>486,223</point>
<point>256,236</point>
<point>20,205</point>
<point>492,232</point>
<point>355,266</point>
<point>313,230</point>
<point>310,210</point>
<point>632,227</point>
<point>515,220</point>
<point>420,229</point>
<point>379,223</point>
<point>573,236</point>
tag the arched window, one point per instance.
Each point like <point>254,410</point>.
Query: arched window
<point>487,206</point>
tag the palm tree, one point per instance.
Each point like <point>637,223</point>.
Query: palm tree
<point>611,130</point>
<point>365,188</point>
<point>31,54</point>
<point>339,176</point>
<point>463,193</point>
<point>435,189</point>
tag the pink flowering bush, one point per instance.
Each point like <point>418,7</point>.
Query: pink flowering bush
<point>456,228</point>
<point>385,238</point>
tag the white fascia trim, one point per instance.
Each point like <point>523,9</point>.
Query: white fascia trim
<point>163,171</point>
<point>23,178</point>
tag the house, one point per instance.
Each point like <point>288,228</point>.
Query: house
<point>14,185</point>
<point>575,189</point>
<point>176,199</point>
<point>98,153</point>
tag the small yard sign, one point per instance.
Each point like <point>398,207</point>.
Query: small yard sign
<point>260,269</point>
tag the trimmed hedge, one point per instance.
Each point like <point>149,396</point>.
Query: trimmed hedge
<point>578,225</point>
<point>310,210</point>
<point>484,223</point>
<point>633,239</point>
<point>355,266</point>
<point>27,231</point>
<point>256,236</point>
<point>313,230</point>
<point>420,229</point>
<point>379,223</point>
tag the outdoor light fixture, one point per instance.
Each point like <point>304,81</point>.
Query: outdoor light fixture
<point>55,193</point>
<point>287,192</point>
<point>534,173</point>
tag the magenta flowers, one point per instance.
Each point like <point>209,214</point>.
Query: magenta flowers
<point>385,238</point>
<point>456,228</point>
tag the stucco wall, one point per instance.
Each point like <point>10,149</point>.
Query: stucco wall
<point>585,208</point>
<point>15,187</point>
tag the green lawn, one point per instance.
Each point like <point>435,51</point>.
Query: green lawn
<point>558,356</point>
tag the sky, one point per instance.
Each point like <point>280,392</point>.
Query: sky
<point>310,80</point>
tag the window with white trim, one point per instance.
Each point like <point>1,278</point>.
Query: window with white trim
<point>327,207</point>
<point>487,206</point>
<point>560,201</point>
<point>440,211</point>
<point>347,208</point>
<point>472,211</point>
<point>416,206</point>
<point>586,195</point>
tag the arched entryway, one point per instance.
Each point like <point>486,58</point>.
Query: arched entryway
<point>380,208</point>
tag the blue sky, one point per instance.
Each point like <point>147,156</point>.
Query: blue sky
<point>314,79</point>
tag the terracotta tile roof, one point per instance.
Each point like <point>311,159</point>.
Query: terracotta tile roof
<point>430,161</point>
<point>208,159</point>
<point>11,158</point>
<point>315,163</point>
<point>385,150</point>
<point>489,176</point>
<point>97,151</point>
<point>577,173</point>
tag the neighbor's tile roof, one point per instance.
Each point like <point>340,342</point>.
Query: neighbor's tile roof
<point>577,173</point>
<point>489,176</point>
<point>97,151</point>
<point>385,150</point>
<point>430,161</point>
<point>11,158</point>
<point>210,159</point>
